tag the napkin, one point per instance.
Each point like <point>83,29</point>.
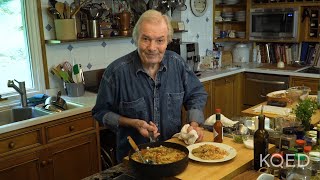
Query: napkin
<point>188,137</point>
<point>224,120</point>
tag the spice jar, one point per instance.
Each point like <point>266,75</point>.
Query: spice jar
<point>288,138</point>
<point>300,145</point>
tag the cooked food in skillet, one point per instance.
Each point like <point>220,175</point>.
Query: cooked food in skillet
<point>209,152</point>
<point>160,155</point>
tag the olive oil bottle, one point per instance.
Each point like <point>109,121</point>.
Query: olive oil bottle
<point>261,144</point>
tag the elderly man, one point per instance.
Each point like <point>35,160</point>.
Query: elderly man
<point>144,91</point>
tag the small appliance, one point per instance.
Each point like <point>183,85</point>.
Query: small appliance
<point>274,23</point>
<point>189,51</point>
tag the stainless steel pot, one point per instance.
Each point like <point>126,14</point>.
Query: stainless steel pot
<point>55,103</point>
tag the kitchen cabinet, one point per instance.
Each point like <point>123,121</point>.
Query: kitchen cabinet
<point>311,26</point>
<point>304,81</point>
<point>227,95</point>
<point>229,23</point>
<point>67,148</point>
<point>267,3</point>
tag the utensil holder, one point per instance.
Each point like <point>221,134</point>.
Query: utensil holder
<point>75,89</point>
<point>65,29</point>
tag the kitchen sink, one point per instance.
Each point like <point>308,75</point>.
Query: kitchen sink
<point>16,114</point>
<point>20,113</point>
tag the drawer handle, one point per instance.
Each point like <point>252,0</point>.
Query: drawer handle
<point>44,163</point>
<point>71,128</point>
<point>12,145</point>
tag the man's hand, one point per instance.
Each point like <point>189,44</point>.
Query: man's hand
<point>198,129</point>
<point>143,127</point>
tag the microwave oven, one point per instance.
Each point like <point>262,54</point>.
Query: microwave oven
<point>274,24</point>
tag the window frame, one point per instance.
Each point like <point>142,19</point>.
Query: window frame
<point>29,8</point>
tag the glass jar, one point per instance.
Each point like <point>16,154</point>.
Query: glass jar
<point>315,165</point>
<point>288,138</point>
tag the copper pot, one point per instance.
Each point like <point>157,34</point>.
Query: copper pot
<point>124,19</point>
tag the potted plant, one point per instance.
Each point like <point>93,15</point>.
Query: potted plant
<point>304,111</point>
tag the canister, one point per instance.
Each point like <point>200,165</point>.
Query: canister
<point>240,53</point>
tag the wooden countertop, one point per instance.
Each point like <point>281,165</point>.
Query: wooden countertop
<point>250,112</point>
<point>223,170</point>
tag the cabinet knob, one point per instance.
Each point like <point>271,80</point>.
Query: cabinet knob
<point>12,145</point>
<point>71,128</point>
<point>44,163</point>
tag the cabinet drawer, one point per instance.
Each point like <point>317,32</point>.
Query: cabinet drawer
<point>20,141</point>
<point>225,80</point>
<point>69,127</point>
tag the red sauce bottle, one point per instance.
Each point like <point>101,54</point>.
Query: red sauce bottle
<point>218,128</point>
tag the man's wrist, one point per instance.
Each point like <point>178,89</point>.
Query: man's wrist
<point>194,124</point>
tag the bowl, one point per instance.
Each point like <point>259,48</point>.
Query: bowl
<point>237,136</point>
<point>297,93</point>
<point>248,141</point>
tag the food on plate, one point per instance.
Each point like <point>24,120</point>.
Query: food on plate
<point>160,155</point>
<point>209,152</point>
<point>278,95</point>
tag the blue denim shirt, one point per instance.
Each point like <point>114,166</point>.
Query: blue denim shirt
<point>127,90</point>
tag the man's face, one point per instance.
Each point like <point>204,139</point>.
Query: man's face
<point>152,42</point>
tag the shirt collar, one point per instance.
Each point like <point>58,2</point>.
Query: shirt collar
<point>138,66</point>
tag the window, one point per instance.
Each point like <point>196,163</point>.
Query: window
<point>20,48</point>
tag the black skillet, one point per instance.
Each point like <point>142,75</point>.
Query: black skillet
<point>147,171</point>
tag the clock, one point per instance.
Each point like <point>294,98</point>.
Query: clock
<point>199,7</point>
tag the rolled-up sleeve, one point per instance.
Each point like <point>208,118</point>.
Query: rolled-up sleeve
<point>103,110</point>
<point>195,97</point>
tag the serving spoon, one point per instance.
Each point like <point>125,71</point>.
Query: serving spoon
<point>135,147</point>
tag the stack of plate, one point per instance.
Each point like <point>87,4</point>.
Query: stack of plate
<point>230,2</point>
<point>240,34</point>
<point>217,16</point>
<point>240,16</point>
<point>216,32</point>
<point>227,16</point>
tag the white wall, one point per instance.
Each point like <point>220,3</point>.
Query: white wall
<point>99,54</point>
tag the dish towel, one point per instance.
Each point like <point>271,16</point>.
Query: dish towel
<point>187,135</point>
<point>224,120</point>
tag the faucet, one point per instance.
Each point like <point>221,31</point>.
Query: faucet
<point>21,90</point>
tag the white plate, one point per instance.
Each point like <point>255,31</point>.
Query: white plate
<point>232,152</point>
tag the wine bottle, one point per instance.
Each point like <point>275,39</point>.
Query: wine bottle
<point>218,128</point>
<point>261,144</point>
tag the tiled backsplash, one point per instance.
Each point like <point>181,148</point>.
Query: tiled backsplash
<point>99,54</point>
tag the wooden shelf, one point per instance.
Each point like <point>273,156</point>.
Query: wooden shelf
<point>56,41</point>
<point>229,22</point>
<point>230,40</point>
<point>230,5</point>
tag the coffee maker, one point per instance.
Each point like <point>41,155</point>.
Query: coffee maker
<point>189,51</point>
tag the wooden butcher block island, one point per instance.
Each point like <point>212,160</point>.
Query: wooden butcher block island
<point>242,162</point>
<point>221,170</point>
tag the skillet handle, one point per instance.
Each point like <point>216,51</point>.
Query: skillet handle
<point>132,143</point>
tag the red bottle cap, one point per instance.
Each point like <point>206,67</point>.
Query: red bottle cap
<point>218,110</point>
<point>300,142</point>
<point>307,149</point>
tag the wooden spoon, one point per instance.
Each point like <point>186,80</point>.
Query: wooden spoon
<point>60,8</point>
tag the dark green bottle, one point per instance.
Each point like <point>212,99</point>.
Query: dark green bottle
<point>261,144</point>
